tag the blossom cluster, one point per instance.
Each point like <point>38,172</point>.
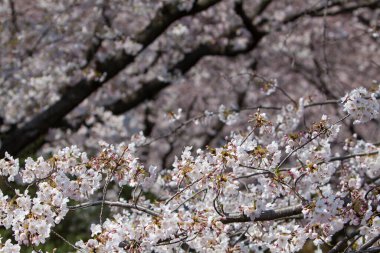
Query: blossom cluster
<point>67,175</point>
<point>272,186</point>
<point>361,104</point>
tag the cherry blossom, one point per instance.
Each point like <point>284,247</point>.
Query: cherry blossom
<point>189,126</point>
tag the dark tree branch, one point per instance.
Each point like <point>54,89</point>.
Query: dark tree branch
<point>15,28</point>
<point>18,139</point>
<point>371,242</point>
<point>371,250</point>
<point>319,11</point>
<point>151,88</point>
<point>341,245</point>
<point>244,17</point>
<point>265,215</point>
<point>167,15</point>
<point>92,50</point>
<point>262,6</point>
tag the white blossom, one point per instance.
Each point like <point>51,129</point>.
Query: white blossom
<point>361,104</point>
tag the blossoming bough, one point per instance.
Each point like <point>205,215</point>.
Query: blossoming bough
<point>277,180</point>
<point>264,188</point>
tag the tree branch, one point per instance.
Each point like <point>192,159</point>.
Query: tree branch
<point>151,88</point>
<point>369,243</point>
<point>265,215</point>
<point>118,204</point>
<point>18,139</point>
<point>342,244</point>
<point>318,11</point>
<point>371,250</point>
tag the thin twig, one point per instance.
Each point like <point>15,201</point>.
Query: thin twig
<point>66,241</point>
<point>108,180</point>
<point>253,174</point>
<point>118,204</point>
<point>287,95</point>
<point>188,186</point>
<point>195,194</point>
<point>241,236</point>
<point>327,102</point>
<point>307,142</point>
